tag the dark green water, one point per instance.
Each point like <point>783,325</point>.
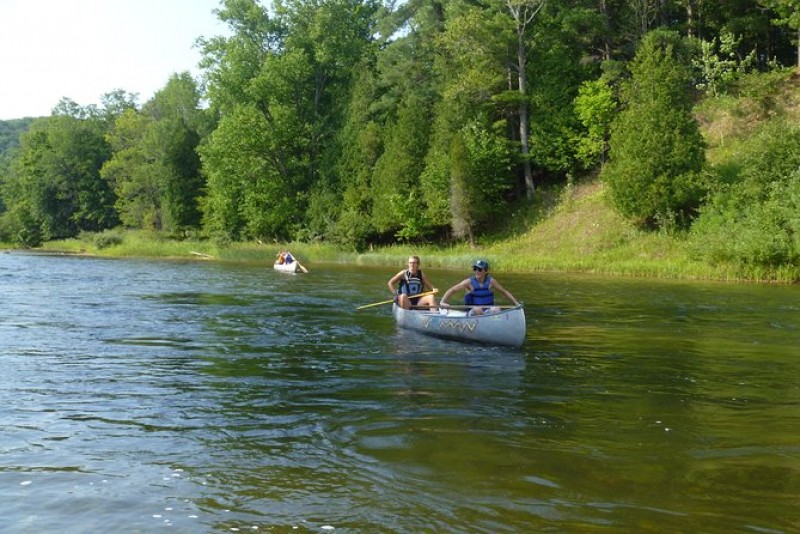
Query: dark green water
<point>137,396</point>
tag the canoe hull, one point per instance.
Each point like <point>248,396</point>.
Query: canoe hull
<point>287,267</point>
<point>506,327</point>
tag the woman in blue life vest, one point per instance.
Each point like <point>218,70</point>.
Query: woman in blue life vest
<point>479,288</point>
<point>412,282</point>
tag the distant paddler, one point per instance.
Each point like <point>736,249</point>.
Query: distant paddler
<point>286,262</point>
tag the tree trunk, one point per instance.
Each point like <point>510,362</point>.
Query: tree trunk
<point>690,22</point>
<point>530,190</point>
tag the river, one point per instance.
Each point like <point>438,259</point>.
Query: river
<point>208,397</point>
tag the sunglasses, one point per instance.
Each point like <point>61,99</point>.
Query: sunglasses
<point>477,269</point>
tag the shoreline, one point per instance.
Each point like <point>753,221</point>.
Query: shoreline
<point>434,257</point>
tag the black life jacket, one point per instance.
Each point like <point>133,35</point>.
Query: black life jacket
<point>412,284</point>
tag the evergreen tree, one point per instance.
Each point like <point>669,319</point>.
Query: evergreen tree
<point>657,150</point>
<point>788,12</point>
<point>361,139</point>
<point>396,194</point>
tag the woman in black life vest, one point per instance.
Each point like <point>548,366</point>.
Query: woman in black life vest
<point>412,282</point>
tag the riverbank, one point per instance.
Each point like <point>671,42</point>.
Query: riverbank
<point>575,231</point>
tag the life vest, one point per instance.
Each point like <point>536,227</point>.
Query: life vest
<point>412,284</point>
<point>480,295</point>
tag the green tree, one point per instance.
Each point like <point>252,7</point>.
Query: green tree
<point>487,61</point>
<point>155,169</point>
<point>361,139</point>
<point>657,150</point>
<point>481,159</point>
<point>54,189</point>
<point>472,65</point>
<point>396,194</point>
<point>461,198</point>
<point>788,12</point>
<point>132,175</point>
<point>595,107</point>
<point>293,68</point>
<point>523,13</point>
<point>248,195</point>
<point>10,132</point>
<point>720,63</point>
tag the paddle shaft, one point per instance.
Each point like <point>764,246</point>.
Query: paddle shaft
<point>394,299</point>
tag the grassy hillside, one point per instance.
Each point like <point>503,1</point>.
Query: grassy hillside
<point>582,233</point>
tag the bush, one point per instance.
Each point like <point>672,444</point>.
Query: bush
<point>756,219</point>
<point>107,239</point>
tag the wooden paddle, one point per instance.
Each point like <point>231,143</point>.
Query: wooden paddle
<point>394,299</point>
<point>301,267</point>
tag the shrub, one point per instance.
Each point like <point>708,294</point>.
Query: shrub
<point>756,219</point>
<point>107,239</point>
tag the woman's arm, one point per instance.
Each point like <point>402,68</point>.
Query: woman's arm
<point>462,284</point>
<point>393,280</point>
<point>496,285</point>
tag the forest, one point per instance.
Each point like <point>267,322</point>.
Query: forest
<point>368,122</point>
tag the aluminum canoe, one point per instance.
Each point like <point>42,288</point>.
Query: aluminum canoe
<point>506,327</point>
<point>287,267</point>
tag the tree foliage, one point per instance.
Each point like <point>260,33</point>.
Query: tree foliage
<point>154,169</point>
<point>754,218</point>
<point>788,14</point>
<point>657,150</point>
<point>595,108</point>
<point>54,189</point>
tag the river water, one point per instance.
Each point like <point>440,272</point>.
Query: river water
<point>137,396</point>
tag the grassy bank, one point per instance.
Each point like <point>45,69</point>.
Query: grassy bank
<point>570,230</point>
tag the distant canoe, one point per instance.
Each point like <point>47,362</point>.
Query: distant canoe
<point>292,267</point>
<point>506,327</point>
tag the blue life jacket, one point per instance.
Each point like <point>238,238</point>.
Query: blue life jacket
<point>480,295</point>
<point>412,284</point>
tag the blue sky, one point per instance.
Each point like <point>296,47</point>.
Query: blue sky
<point>82,49</point>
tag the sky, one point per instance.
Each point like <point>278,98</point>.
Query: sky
<point>83,49</point>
